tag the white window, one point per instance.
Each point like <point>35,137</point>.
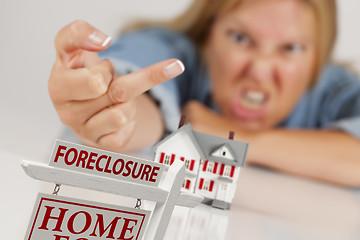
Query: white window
<point>184,183</point>
<point>187,163</point>
<point>206,185</point>
<point>210,167</point>
<point>223,152</point>
<point>227,171</point>
<point>167,160</point>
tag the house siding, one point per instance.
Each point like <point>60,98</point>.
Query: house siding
<point>213,179</point>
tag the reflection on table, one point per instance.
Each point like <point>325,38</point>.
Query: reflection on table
<point>202,222</point>
<point>270,205</point>
<point>267,205</point>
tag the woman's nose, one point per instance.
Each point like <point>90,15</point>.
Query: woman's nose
<point>261,69</point>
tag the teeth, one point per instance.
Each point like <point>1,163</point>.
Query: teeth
<point>257,97</point>
<point>253,99</point>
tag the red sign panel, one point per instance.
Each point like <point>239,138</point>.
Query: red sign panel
<point>104,163</point>
<point>62,218</point>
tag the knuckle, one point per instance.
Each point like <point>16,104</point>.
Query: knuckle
<point>117,118</point>
<point>56,94</point>
<point>84,132</point>
<point>57,41</point>
<point>77,24</point>
<point>119,143</point>
<point>118,139</point>
<point>75,27</point>
<point>154,77</point>
<point>111,141</point>
<point>67,118</point>
<point>109,64</point>
<point>95,82</point>
<point>131,109</point>
<point>53,90</point>
<point>117,93</point>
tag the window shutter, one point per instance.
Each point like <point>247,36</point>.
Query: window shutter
<point>232,171</point>
<point>215,167</point>
<point>192,164</point>
<point>162,155</point>
<point>205,166</point>
<point>188,184</point>
<point>211,186</point>
<point>222,169</point>
<point>172,158</point>
<point>201,182</point>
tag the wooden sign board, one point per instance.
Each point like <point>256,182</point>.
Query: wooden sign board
<point>63,218</point>
<point>104,163</point>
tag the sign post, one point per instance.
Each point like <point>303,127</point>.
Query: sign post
<point>61,218</point>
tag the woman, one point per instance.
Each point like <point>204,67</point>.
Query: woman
<point>258,68</point>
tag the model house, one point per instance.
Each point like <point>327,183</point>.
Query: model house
<point>212,163</point>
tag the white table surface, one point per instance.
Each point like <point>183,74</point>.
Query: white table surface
<point>268,205</point>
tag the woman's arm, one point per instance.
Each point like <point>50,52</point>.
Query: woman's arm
<point>326,155</point>
<point>331,156</point>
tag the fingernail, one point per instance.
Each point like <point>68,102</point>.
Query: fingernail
<point>174,69</point>
<point>99,38</point>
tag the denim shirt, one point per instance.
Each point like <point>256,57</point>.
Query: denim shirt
<point>333,103</point>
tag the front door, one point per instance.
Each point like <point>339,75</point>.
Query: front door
<point>221,191</point>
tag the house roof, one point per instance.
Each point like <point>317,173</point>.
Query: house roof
<point>206,144</point>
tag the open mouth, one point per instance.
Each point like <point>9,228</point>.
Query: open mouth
<point>250,104</point>
<point>253,99</point>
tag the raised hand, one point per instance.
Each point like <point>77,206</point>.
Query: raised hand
<point>99,106</point>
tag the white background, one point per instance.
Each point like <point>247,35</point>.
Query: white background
<point>28,122</point>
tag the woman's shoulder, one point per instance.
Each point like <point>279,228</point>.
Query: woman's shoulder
<point>336,84</point>
<point>158,35</point>
<point>160,31</point>
<point>337,92</point>
<point>338,96</point>
<point>335,75</point>
<point>335,97</point>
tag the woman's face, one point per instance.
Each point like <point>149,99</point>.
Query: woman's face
<point>261,59</point>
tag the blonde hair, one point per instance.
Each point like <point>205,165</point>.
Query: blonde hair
<point>197,21</point>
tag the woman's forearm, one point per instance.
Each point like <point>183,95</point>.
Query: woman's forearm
<point>331,156</point>
<point>326,155</point>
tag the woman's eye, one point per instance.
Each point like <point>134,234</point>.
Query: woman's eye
<point>294,48</point>
<point>239,38</point>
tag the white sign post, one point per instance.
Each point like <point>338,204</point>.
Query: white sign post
<point>90,168</point>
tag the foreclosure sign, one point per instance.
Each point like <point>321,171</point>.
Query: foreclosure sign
<point>62,218</point>
<point>104,163</point>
